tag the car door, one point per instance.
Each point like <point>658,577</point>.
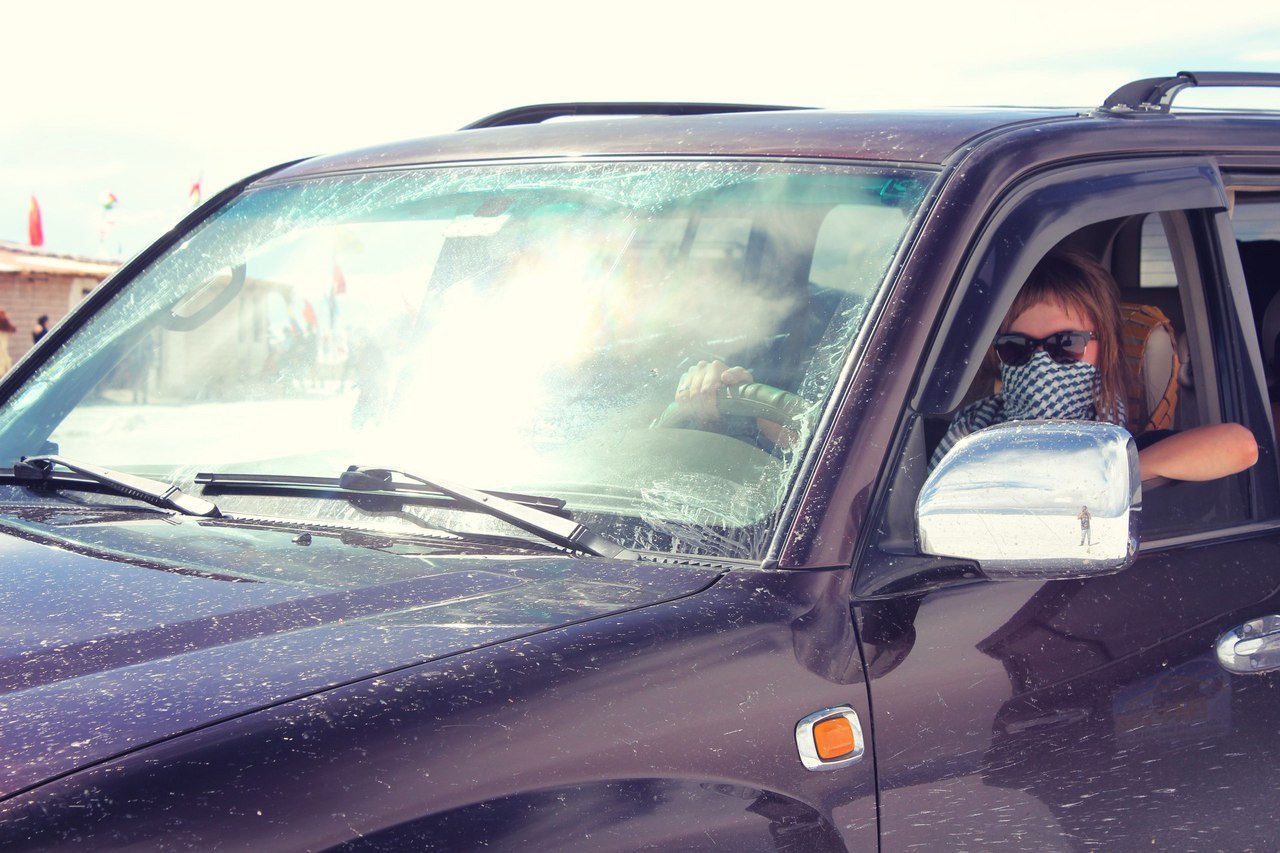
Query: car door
<point>1095,712</point>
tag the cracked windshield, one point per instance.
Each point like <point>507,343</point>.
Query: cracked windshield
<point>650,343</point>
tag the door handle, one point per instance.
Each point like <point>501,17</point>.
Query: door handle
<point>1253,647</point>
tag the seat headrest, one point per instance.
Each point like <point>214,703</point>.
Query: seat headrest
<point>1150,352</point>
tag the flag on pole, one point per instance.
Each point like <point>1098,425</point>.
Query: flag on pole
<point>338,288</point>
<point>107,221</point>
<point>35,228</point>
<point>194,194</point>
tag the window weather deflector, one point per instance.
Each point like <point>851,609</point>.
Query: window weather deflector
<point>538,113</point>
<point>1154,95</point>
<point>39,469</point>
<point>561,531</point>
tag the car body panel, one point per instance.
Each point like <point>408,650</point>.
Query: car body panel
<point>92,640</point>
<point>1081,714</point>
<point>934,137</point>
<point>549,712</point>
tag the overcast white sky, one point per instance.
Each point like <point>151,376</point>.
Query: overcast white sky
<point>142,98</point>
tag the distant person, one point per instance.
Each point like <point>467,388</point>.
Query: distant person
<point>144,357</point>
<point>6,329</point>
<point>40,329</point>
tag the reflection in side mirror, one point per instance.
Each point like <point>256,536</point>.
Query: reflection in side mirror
<point>1036,499</point>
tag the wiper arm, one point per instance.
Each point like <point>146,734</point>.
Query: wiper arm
<point>154,492</point>
<point>331,487</point>
<point>561,531</point>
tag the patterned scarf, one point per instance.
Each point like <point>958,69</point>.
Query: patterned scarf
<point>1041,388</point>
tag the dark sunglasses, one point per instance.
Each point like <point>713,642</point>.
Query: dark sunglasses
<point>1015,349</point>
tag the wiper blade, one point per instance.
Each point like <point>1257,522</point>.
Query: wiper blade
<point>40,469</point>
<point>332,487</point>
<point>561,531</point>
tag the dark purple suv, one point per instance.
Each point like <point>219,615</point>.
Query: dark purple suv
<point>371,508</point>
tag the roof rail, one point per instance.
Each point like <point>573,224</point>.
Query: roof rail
<point>541,112</point>
<point>1154,95</point>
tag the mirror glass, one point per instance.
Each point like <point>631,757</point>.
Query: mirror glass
<point>1035,498</point>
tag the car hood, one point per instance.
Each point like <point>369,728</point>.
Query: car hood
<point>119,629</point>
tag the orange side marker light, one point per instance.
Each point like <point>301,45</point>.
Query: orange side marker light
<point>833,738</point>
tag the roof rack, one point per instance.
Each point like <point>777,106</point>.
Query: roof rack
<point>1154,95</point>
<point>537,113</point>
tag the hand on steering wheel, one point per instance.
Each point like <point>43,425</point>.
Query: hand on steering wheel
<point>696,394</point>
<point>710,390</point>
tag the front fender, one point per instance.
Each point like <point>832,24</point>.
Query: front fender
<point>671,726</point>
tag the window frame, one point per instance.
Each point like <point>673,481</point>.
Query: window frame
<point>1029,221</point>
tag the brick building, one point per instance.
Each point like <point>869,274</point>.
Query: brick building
<point>35,282</point>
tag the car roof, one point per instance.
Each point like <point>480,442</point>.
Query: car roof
<point>924,137</point>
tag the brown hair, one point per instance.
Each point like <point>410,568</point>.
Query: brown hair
<point>1081,285</point>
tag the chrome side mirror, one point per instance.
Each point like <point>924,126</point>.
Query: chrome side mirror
<point>1036,499</point>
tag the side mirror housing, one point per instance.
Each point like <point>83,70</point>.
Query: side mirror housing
<point>1036,499</point>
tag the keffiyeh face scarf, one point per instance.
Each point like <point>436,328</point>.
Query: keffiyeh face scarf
<point>1042,388</point>
<point>1038,389</point>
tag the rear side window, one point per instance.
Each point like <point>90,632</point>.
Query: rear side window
<point>1155,268</point>
<point>1255,219</point>
<point>1256,216</point>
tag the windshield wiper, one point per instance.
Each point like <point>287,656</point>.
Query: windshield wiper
<point>39,469</point>
<point>331,487</point>
<point>561,531</point>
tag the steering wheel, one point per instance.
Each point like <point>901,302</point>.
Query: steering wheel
<point>752,400</point>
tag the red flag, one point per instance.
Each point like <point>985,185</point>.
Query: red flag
<point>309,314</point>
<point>339,280</point>
<point>35,229</point>
<point>193,195</point>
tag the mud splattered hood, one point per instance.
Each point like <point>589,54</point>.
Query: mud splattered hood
<point>120,628</point>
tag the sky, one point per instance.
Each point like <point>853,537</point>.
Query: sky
<point>143,99</point>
